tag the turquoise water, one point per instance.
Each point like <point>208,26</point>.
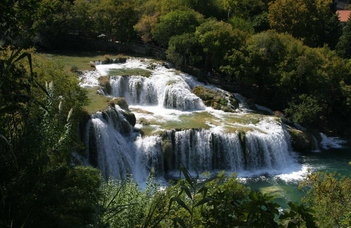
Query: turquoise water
<point>332,160</point>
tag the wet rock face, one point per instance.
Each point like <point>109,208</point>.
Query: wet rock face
<point>130,117</point>
<point>121,102</point>
<point>104,82</point>
<point>216,99</point>
<point>300,140</point>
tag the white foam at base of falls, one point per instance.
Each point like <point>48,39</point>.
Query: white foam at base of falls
<point>331,142</point>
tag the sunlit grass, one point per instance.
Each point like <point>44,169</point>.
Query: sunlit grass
<point>244,119</point>
<point>97,102</point>
<point>78,60</point>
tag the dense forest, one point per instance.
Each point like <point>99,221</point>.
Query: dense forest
<point>291,55</point>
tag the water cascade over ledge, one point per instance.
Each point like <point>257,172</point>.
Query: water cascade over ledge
<point>176,129</point>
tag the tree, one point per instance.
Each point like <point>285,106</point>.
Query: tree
<point>145,25</point>
<point>343,47</point>
<point>114,18</point>
<point>184,50</point>
<point>175,23</point>
<point>241,24</point>
<point>329,196</point>
<point>278,70</point>
<point>313,21</point>
<point>305,110</point>
<point>243,9</point>
<point>208,8</point>
<point>51,22</point>
<point>260,22</point>
<point>216,38</point>
<point>16,22</point>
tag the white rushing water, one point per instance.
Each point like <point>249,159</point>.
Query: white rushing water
<point>331,142</point>
<point>179,130</point>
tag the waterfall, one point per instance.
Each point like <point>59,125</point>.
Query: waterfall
<point>109,143</point>
<point>160,91</point>
<point>235,142</point>
<point>198,150</point>
<point>207,150</point>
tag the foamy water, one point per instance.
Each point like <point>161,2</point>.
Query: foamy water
<point>248,144</point>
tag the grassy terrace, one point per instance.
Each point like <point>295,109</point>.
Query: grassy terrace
<point>78,60</point>
<point>81,61</point>
<point>96,102</point>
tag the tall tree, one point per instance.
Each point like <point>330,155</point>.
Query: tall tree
<point>115,18</point>
<point>313,21</point>
<point>176,23</point>
<point>216,39</point>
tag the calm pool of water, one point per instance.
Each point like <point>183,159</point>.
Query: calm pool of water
<point>332,160</point>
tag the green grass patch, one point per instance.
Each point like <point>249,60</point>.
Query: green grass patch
<point>196,120</point>
<point>244,119</point>
<point>97,102</point>
<point>150,131</point>
<point>78,60</point>
<point>130,72</point>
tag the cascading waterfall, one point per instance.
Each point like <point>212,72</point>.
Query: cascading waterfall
<point>145,91</point>
<point>118,149</point>
<point>206,150</point>
<point>136,90</point>
<point>166,90</point>
<point>198,150</point>
<point>109,143</point>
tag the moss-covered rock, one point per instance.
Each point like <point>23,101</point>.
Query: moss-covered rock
<point>167,149</point>
<point>104,82</point>
<point>216,99</point>
<point>242,138</point>
<point>300,140</point>
<point>117,59</point>
<point>130,117</point>
<point>121,102</point>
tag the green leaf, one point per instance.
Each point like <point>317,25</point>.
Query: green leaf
<point>181,203</point>
<point>203,189</point>
<point>180,222</point>
<point>187,191</point>
<point>203,201</point>
<point>187,176</point>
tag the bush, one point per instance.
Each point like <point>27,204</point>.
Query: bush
<point>329,195</point>
<point>305,110</point>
